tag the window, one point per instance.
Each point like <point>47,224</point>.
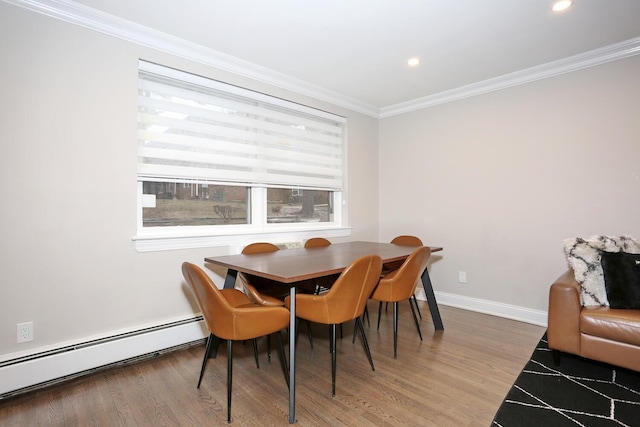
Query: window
<point>216,159</point>
<point>286,205</point>
<point>189,204</point>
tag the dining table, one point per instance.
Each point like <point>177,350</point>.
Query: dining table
<point>292,266</point>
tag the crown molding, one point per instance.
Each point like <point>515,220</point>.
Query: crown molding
<point>591,58</point>
<point>78,14</point>
<point>81,15</point>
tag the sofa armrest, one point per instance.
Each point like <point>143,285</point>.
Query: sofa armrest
<point>563,331</point>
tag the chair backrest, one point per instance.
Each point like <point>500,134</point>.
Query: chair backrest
<point>349,294</point>
<point>249,281</point>
<point>403,240</point>
<point>403,281</point>
<point>257,298</point>
<point>316,242</point>
<point>260,247</point>
<point>228,313</point>
<point>215,308</point>
<point>407,241</point>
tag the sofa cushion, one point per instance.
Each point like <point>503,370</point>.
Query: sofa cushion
<point>621,272</point>
<point>620,325</point>
<point>584,257</point>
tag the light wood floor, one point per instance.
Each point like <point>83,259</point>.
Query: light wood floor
<point>457,377</point>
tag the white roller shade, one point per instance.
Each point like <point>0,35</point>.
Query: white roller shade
<point>190,127</point>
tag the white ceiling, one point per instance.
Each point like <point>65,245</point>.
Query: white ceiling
<point>359,48</point>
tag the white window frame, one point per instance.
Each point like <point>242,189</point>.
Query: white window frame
<point>238,235</point>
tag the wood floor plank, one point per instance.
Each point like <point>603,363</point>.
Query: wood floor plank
<point>456,377</point>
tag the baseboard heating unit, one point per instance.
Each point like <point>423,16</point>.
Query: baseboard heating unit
<point>22,374</point>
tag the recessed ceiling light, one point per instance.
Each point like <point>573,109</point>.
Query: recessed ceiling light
<point>413,62</point>
<point>561,5</point>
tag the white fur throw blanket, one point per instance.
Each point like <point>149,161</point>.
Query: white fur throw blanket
<point>583,256</point>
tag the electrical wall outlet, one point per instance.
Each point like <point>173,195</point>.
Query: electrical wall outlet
<point>24,332</point>
<point>462,276</point>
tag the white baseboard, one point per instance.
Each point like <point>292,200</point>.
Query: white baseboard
<point>39,369</point>
<point>493,308</point>
<point>42,368</point>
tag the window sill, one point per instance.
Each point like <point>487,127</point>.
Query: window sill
<point>153,243</point>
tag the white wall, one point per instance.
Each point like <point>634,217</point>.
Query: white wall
<point>68,182</point>
<point>501,179</point>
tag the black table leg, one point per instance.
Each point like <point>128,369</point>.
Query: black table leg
<point>431,300</point>
<point>292,355</point>
<point>230,280</point>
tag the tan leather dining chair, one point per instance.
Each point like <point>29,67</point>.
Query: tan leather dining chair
<point>229,315</point>
<point>316,242</point>
<point>260,290</point>
<point>259,248</point>
<point>399,285</point>
<point>270,292</point>
<point>404,240</point>
<point>260,298</point>
<point>345,301</point>
<point>322,284</point>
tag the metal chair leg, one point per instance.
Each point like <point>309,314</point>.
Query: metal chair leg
<point>333,360</point>
<point>269,349</point>
<point>415,319</point>
<point>355,328</point>
<point>415,301</point>
<point>379,313</point>
<point>365,343</point>
<point>255,352</point>
<point>310,334</point>
<point>229,377</point>
<point>395,330</point>
<point>366,313</point>
<point>207,355</point>
<point>283,358</point>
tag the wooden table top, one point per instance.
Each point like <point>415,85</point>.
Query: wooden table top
<point>294,265</point>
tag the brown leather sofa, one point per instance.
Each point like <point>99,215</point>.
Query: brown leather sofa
<point>599,333</point>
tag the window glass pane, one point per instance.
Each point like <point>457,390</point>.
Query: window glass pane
<point>286,205</point>
<point>170,204</point>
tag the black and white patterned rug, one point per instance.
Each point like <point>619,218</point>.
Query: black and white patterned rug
<point>579,392</point>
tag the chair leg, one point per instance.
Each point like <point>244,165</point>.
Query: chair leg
<point>355,329</point>
<point>395,330</point>
<point>269,349</point>
<point>415,319</point>
<point>379,313</point>
<point>255,352</point>
<point>283,358</point>
<point>366,313</point>
<point>415,301</point>
<point>229,377</point>
<point>310,334</point>
<point>332,346</point>
<point>365,343</point>
<point>207,354</point>
<point>308,331</point>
